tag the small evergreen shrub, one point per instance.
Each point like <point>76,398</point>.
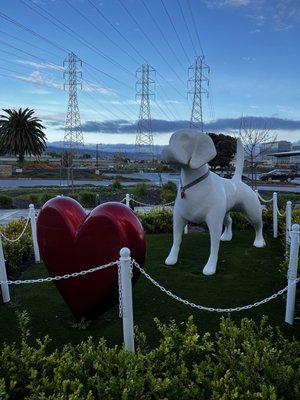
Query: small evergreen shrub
<point>5,201</point>
<point>157,221</point>
<point>139,190</point>
<point>168,192</point>
<point>87,199</point>
<point>116,185</point>
<point>245,361</point>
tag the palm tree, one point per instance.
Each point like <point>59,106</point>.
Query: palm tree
<point>21,133</point>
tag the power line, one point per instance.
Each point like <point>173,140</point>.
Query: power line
<point>101,31</point>
<point>149,39</point>
<point>28,54</point>
<point>162,34</point>
<point>132,46</point>
<point>175,30</point>
<point>187,27</point>
<point>28,43</point>
<point>195,26</point>
<point>75,35</point>
<point>13,21</point>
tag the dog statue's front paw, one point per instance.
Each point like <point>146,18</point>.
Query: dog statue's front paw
<point>209,269</point>
<point>171,260</point>
<point>259,243</point>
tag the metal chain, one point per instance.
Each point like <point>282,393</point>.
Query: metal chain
<point>60,277</point>
<point>264,200</point>
<point>279,213</point>
<point>120,291</point>
<point>153,205</point>
<point>211,309</point>
<point>21,234</point>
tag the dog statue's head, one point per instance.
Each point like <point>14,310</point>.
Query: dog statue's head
<point>189,147</point>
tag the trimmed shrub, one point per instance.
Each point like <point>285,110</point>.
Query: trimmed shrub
<point>5,201</point>
<point>116,185</point>
<point>17,253</point>
<point>157,221</point>
<point>242,361</point>
<point>33,198</point>
<point>139,190</point>
<point>87,199</point>
<point>45,197</point>
<point>168,192</point>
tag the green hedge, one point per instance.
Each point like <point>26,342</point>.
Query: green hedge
<point>161,221</point>
<point>245,362</point>
<point>17,253</point>
<point>5,201</point>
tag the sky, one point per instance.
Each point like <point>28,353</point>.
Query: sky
<point>251,46</point>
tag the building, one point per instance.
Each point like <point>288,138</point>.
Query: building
<point>266,149</point>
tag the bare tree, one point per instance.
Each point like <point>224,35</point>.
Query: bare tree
<point>255,133</point>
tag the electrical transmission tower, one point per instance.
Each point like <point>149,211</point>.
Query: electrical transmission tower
<point>73,138</point>
<point>145,91</point>
<point>198,85</point>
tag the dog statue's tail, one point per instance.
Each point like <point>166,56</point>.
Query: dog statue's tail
<point>239,164</point>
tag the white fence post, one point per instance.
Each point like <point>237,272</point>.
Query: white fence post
<point>34,233</point>
<point>126,291</point>
<point>3,276</point>
<point>275,216</point>
<point>288,221</point>
<point>186,229</point>
<point>127,200</point>
<point>292,274</point>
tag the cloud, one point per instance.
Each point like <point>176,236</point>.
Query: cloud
<point>96,88</point>
<point>41,65</point>
<point>38,80</point>
<point>163,126</point>
<point>281,15</point>
<point>226,3</point>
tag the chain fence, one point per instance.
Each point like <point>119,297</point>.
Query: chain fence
<point>211,309</point>
<point>60,277</point>
<point>264,200</point>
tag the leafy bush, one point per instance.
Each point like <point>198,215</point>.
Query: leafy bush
<point>157,221</point>
<point>5,201</point>
<point>45,197</point>
<point>168,192</point>
<point>17,253</point>
<point>116,185</point>
<point>244,362</point>
<point>139,190</point>
<point>33,198</point>
<point>87,199</point>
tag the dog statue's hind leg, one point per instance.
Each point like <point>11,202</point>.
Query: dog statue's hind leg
<point>253,213</point>
<point>178,225</point>
<point>227,234</point>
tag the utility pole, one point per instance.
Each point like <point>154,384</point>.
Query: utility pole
<point>73,138</point>
<point>198,83</point>
<point>145,91</point>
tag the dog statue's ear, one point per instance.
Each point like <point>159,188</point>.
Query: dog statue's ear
<point>203,151</point>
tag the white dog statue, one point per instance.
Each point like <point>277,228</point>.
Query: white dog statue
<point>203,196</point>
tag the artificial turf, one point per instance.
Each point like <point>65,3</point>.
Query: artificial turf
<point>244,275</point>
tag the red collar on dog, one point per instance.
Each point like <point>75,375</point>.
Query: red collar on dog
<point>193,183</point>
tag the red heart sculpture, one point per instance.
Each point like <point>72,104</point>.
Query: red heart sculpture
<point>71,241</point>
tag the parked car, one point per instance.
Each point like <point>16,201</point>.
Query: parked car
<point>282,175</point>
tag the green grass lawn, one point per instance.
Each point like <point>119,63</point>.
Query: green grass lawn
<point>244,275</point>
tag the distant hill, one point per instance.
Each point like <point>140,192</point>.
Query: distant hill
<point>105,150</point>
